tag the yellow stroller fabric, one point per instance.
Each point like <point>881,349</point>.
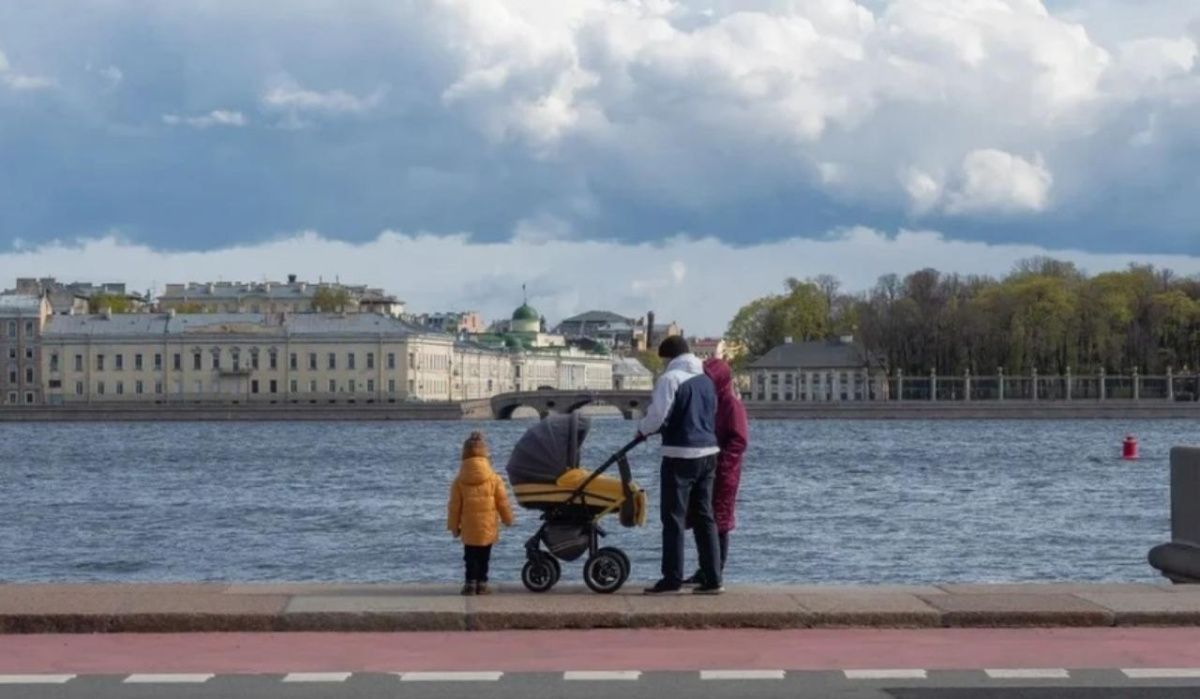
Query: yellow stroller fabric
<point>602,496</point>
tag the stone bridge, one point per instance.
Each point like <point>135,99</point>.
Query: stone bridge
<point>630,403</point>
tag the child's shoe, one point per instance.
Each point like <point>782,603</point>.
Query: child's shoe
<point>482,589</point>
<point>468,589</point>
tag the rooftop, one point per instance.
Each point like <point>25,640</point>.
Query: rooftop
<point>300,324</point>
<point>19,303</point>
<point>824,354</point>
<point>599,317</point>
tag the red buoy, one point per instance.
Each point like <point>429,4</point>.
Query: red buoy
<point>1129,448</point>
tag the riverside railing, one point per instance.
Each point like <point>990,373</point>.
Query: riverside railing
<point>1048,387</point>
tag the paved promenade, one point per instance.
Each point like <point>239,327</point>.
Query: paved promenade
<point>320,607</point>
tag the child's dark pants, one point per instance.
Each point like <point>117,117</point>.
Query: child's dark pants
<point>477,558</point>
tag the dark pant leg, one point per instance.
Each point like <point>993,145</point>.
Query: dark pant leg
<point>673,500</point>
<point>485,561</point>
<point>469,560</point>
<point>707,542</point>
<point>724,538</point>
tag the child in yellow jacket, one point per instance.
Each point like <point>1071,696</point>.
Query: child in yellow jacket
<point>478,498</point>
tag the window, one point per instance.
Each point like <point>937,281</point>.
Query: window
<point>29,398</point>
<point>775,396</point>
<point>392,386</point>
<point>253,360</point>
<point>332,386</point>
<point>54,362</point>
<point>158,388</point>
<point>199,387</point>
<point>273,361</point>
<point>79,362</point>
<point>312,386</point>
<point>789,379</point>
<point>274,386</point>
<point>370,385</point>
<point>100,388</point>
<point>254,386</point>
<point>774,379</point>
<point>412,360</point>
<point>12,375</point>
<point>138,388</point>
<point>196,361</point>
<point>237,360</point>
<point>12,396</point>
<point>29,375</point>
<point>55,383</point>
<point>137,362</point>
<point>788,397</point>
<point>312,361</point>
<point>28,327</point>
<point>12,332</point>
<point>216,359</point>
<point>352,387</point>
<point>293,386</point>
<point>391,360</point>
<point>294,362</point>
<point>158,362</point>
<point>79,388</point>
<point>370,360</point>
<point>29,353</point>
<point>120,388</point>
<point>119,361</point>
<point>350,360</point>
<point>99,362</point>
<point>332,360</point>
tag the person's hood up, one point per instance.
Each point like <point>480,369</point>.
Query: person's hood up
<point>720,372</point>
<point>689,363</point>
<point>475,470</point>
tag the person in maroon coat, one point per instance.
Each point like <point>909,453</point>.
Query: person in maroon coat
<point>733,433</point>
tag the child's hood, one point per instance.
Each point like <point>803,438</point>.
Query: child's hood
<point>476,470</point>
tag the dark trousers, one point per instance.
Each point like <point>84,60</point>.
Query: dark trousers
<point>477,558</point>
<point>723,539</point>
<point>689,482</point>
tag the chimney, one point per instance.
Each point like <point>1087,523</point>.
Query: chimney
<point>650,330</point>
<point>291,279</point>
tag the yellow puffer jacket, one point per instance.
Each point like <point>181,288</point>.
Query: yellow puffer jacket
<point>478,499</point>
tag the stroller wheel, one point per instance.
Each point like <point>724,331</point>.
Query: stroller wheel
<point>628,566</point>
<point>606,571</point>
<point>540,573</point>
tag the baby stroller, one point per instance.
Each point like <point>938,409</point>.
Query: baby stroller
<point>545,474</point>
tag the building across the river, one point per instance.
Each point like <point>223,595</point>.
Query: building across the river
<point>822,371</point>
<point>79,297</point>
<point>22,318</point>
<point>295,358</point>
<point>292,296</point>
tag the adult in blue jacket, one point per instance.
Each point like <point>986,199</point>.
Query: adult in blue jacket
<point>683,410</point>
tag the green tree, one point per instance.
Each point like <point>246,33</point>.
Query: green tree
<point>328,299</point>
<point>101,302</point>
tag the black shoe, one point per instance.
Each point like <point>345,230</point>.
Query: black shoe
<point>707,589</point>
<point>662,587</point>
<point>694,581</point>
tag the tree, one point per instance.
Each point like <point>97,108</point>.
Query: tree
<point>103,301</point>
<point>651,361</point>
<point>800,314</point>
<point>330,299</point>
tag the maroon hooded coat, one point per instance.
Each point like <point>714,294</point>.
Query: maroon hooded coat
<point>732,436</point>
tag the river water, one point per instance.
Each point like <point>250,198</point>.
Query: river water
<point>821,502</point>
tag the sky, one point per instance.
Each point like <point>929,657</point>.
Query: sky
<point>681,156</point>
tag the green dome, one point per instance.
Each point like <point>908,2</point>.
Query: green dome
<point>526,312</point>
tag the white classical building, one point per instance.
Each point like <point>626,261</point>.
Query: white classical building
<point>293,358</point>
<point>822,371</point>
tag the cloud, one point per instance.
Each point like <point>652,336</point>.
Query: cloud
<point>997,182</point>
<point>289,96</point>
<point>19,81</point>
<point>217,117</point>
<point>111,76</point>
<point>699,282</point>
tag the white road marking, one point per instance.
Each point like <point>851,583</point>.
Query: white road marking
<point>450,676</point>
<point>885,674</point>
<point>167,679</point>
<point>602,676</point>
<point>1163,673</point>
<point>742,674</point>
<point>36,679</point>
<point>1028,674</point>
<point>317,677</point>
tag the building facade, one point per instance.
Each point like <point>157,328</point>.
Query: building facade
<point>276,358</point>
<point>79,297</point>
<point>825,371</point>
<point>292,296</point>
<point>454,323</point>
<point>631,375</point>
<point>22,320</point>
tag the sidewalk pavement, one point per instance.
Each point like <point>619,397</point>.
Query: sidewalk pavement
<point>86,608</point>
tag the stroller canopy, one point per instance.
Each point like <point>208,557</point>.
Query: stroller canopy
<point>548,449</point>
